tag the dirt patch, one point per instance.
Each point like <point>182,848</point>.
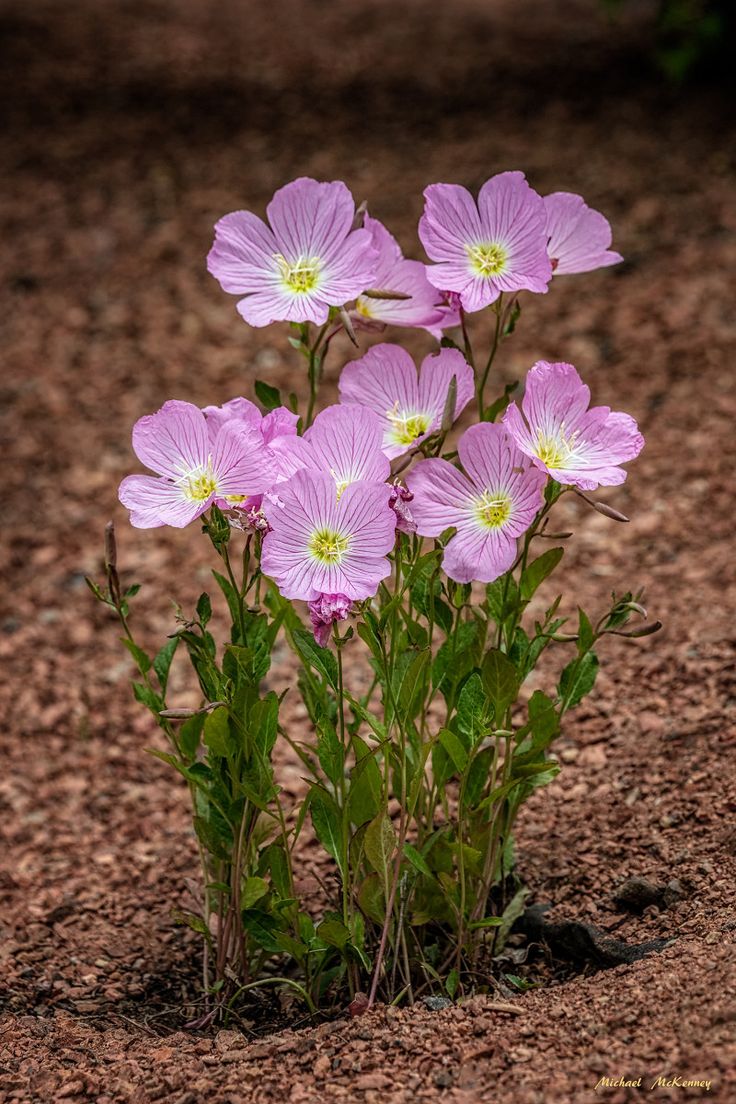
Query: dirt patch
<point>130,129</point>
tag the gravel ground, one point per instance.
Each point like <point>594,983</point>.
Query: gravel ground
<point>130,127</point>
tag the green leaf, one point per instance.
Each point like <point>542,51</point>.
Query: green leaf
<point>162,662</point>
<point>189,735</point>
<point>412,683</point>
<point>327,825</point>
<point>231,596</point>
<point>191,920</point>
<point>500,682</point>
<point>333,932</point>
<point>502,598</point>
<point>274,860</point>
<point>471,717</point>
<point>321,659</point>
<point>263,724</point>
<point>511,914</point>
<point>496,408</point>
<point>264,928</point>
<point>142,662</point>
<point>217,732</point>
<point>204,609</point>
<point>330,751</point>
<point>146,696</point>
<point>454,748</point>
<point>268,396</point>
<point>488,922</point>
<point>372,899</point>
<point>364,799</point>
<point>586,636</point>
<point>379,844</point>
<point>253,890</point>
<point>537,571</point>
<point>452,982</point>
<point>578,679</point>
<point>417,860</point>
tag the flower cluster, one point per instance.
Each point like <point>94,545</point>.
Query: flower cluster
<point>324,500</point>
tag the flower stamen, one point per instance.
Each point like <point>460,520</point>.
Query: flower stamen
<point>328,546</point>
<point>302,276</point>
<point>487,258</point>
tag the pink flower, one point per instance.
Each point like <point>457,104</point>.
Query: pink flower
<point>322,544</point>
<point>193,469</point>
<point>395,273</point>
<point>491,504</point>
<point>576,445</point>
<point>324,612</point>
<point>484,249</point>
<point>385,380</point>
<point>308,259</point>
<point>579,237</point>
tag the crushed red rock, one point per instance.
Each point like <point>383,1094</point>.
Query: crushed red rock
<point>129,130</point>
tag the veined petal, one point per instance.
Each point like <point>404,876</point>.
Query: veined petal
<point>153,502</point>
<point>449,222</point>
<point>174,440</point>
<point>240,464</point>
<point>346,441</point>
<point>579,237</point>
<point>311,218</point>
<point>443,496</point>
<point>473,554</point>
<point>243,252</point>
<point>350,269</point>
<point>435,375</point>
<point>276,304</point>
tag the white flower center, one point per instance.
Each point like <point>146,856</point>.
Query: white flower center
<point>487,258</point>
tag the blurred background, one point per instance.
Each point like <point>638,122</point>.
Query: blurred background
<point>130,126</point>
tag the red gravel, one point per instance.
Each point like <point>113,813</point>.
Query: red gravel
<point>130,128</point>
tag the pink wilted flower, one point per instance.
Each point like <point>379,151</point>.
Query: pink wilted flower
<point>491,503</point>
<point>395,273</point>
<point>399,500</point>
<point>306,260</point>
<point>498,244</point>
<point>324,612</point>
<point>193,469</point>
<point>322,544</point>
<point>385,380</point>
<point>576,445</point>
<point>579,237</point>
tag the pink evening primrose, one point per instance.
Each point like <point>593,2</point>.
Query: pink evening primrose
<point>346,441</point>
<point>395,273</point>
<point>321,544</point>
<point>385,380</point>
<point>324,612</point>
<point>491,503</point>
<point>193,469</point>
<point>498,244</point>
<point>574,444</point>
<point>307,259</point>
<point>579,237</point>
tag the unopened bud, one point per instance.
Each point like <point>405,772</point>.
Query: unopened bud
<point>601,507</point>
<point>380,293</point>
<point>448,414</point>
<point>345,319</point>
<point>178,714</point>
<point>111,552</point>
<point>642,630</point>
<point>360,212</point>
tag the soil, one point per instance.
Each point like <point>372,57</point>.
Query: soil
<point>130,127</point>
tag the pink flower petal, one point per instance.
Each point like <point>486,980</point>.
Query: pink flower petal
<point>346,441</point>
<point>243,253</point>
<point>174,440</point>
<point>153,502</point>
<point>579,237</point>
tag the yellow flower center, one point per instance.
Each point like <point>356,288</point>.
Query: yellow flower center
<point>555,451</point>
<point>199,485</point>
<point>302,276</point>
<point>407,427</point>
<point>235,499</point>
<point>487,258</point>
<point>362,306</point>
<point>328,546</point>
<point>493,509</point>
